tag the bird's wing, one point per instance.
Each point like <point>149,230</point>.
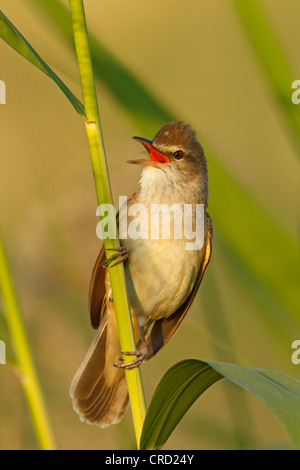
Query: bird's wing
<point>97,283</point>
<point>97,290</point>
<point>164,329</point>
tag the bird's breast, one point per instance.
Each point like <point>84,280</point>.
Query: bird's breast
<point>160,271</point>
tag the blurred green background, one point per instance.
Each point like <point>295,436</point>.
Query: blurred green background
<point>195,59</point>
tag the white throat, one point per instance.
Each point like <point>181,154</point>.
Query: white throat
<point>167,186</point>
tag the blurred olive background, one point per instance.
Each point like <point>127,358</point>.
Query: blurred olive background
<point>194,57</point>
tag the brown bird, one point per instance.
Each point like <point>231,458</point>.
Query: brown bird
<point>162,276</point>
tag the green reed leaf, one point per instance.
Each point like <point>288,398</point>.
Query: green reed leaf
<point>187,380</point>
<point>13,37</point>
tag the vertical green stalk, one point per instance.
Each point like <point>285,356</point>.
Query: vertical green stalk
<point>28,375</point>
<point>104,196</point>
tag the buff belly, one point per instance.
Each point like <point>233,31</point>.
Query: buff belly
<point>160,275</point>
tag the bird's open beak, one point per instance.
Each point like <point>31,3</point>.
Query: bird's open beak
<point>155,155</point>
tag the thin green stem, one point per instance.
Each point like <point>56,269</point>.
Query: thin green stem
<point>104,196</point>
<point>28,375</point>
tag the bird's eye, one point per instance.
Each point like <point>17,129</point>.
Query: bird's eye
<point>178,154</point>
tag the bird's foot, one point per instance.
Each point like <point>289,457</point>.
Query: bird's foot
<point>121,255</point>
<point>140,354</point>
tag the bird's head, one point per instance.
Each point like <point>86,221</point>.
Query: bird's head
<point>176,152</point>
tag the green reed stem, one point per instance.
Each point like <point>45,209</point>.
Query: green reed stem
<point>27,372</point>
<point>104,196</point>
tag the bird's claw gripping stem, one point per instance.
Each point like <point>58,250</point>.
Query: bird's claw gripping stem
<point>121,256</point>
<point>140,354</point>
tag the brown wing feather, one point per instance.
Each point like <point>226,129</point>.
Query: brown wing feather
<point>164,329</point>
<point>97,290</point>
<point>97,283</point>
